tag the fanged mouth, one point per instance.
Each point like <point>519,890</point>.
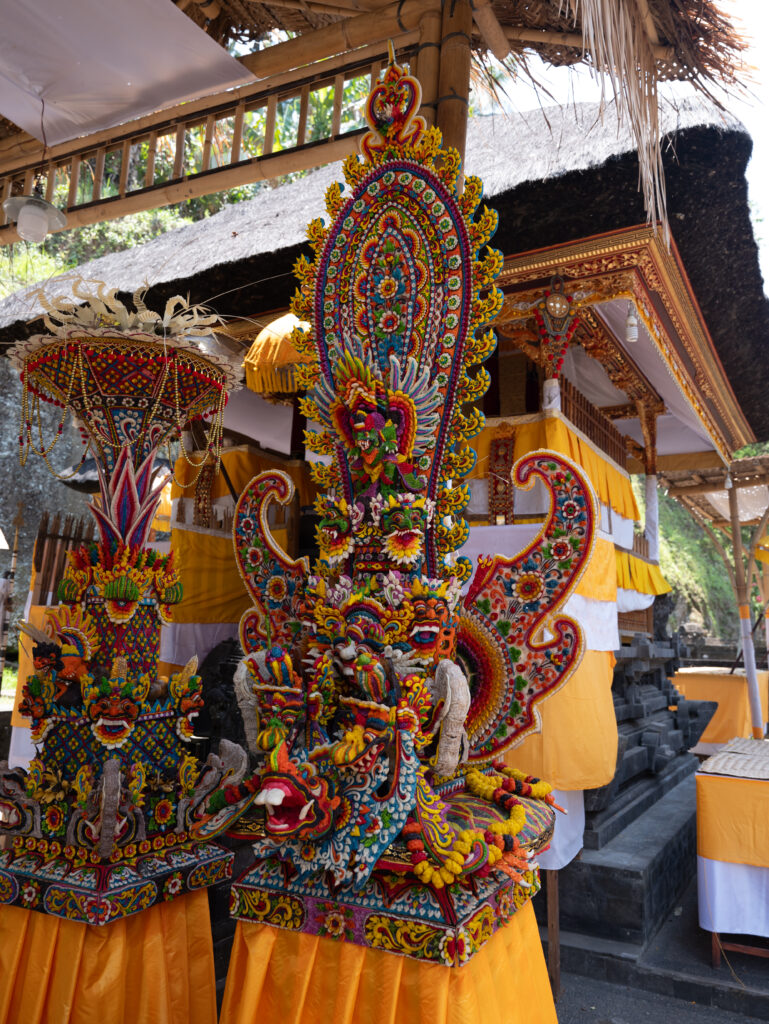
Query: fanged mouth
<point>112,730</point>
<point>285,807</point>
<point>423,635</point>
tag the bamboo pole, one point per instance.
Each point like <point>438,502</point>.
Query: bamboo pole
<point>748,650</point>
<point>336,113</point>
<point>551,37</point>
<point>50,182</point>
<point>341,37</point>
<point>125,157</point>
<point>237,133</point>
<point>490,29</point>
<point>7,183</point>
<point>429,63</point>
<point>207,141</point>
<point>181,131</point>
<point>304,106</point>
<point>98,173</point>
<point>149,174</point>
<point>454,77</point>
<point>74,180</point>
<point>269,125</point>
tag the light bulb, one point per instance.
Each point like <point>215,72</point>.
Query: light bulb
<point>32,224</point>
<point>631,324</point>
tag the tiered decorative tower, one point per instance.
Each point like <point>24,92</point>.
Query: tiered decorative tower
<point>103,819</point>
<point>378,695</point>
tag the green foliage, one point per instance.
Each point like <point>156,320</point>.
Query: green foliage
<point>693,568</point>
<point>750,451</point>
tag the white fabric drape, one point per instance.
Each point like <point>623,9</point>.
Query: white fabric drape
<point>569,828</point>
<point>76,68</point>
<point>733,898</point>
<point>180,640</point>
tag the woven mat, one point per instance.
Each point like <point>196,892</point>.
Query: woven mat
<point>741,758</point>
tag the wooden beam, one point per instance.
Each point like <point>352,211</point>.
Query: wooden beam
<point>245,173</point>
<point>714,486</point>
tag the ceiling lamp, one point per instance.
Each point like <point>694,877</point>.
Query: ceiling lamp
<point>631,324</point>
<point>35,217</point>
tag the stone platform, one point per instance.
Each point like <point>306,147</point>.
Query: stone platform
<point>624,891</point>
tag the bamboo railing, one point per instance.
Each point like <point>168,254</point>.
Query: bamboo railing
<point>207,140</point>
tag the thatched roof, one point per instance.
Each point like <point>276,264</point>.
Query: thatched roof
<point>553,182</point>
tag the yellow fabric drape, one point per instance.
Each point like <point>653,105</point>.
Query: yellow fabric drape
<point>612,485</point>
<point>599,581</point>
<point>156,967</point>
<point>162,520</point>
<point>270,362</point>
<point>37,618</point>
<point>635,574</point>
<point>292,978</point>
<point>213,590</point>
<point>733,820</point>
<point>732,717</point>
<point>242,464</point>
<point>577,747</point>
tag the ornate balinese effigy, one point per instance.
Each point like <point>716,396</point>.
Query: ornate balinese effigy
<point>102,819</point>
<point>381,687</point>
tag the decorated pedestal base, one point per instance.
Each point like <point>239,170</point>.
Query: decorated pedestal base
<point>284,976</point>
<point>155,968</point>
<point>77,890</point>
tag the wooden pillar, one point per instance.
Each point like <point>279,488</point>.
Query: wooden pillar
<point>454,78</point>
<point>553,933</point>
<point>429,62</point>
<point>748,651</point>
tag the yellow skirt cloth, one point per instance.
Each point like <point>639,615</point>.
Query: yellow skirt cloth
<point>156,967</point>
<point>292,978</point>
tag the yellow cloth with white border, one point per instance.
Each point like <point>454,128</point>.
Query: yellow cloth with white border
<point>635,574</point>
<point>733,819</point>
<point>577,747</point>
<point>156,967</point>
<point>293,978</point>
<point>732,717</point>
<point>550,430</point>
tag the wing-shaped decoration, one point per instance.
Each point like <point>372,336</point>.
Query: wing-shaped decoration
<point>273,580</point>
<point>375,702</point>
<point>512,606</point>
